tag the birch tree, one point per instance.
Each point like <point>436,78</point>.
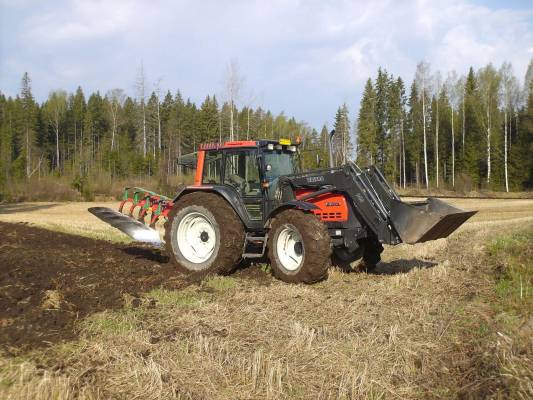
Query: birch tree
<point>158,112</point>
<point>489,82</point>
<point>422,83</point>
<point>55,109</point>
<point>509,88</point>
<point>462,85</point>
<point>115,99</point>
<point>141,95</point>
<point>438,85</point>
<point>454,88</point>
<point>251,100</point>
<point>342,135</point>
<point>234,84</point>
<point>527,83</point>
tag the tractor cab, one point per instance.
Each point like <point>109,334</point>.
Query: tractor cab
<point>243,164</point>
<point>247,171</point>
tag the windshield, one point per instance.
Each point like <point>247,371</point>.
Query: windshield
<point>281,164</point>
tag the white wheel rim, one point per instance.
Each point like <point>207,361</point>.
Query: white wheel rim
<point>289,247</point>
<point>196,238</point>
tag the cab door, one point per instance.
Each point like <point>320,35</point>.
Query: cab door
<point>241,171</point>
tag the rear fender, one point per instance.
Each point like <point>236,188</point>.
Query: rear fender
<point>227,193</point>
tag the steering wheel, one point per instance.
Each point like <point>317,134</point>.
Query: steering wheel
<point>239,181</point>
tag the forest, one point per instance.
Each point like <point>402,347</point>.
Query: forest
<point>463,133</point>
<point>460,132</point>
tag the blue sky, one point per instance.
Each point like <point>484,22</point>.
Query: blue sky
<point>302,57</point>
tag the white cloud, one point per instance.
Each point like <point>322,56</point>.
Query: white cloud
<point>307,57</point>
<point>80,20</point>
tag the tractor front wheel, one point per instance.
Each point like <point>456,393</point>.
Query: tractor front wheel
<point>203,234</point>
<point>371,255</point>
<point>343,259</point>
<point>299,247</point>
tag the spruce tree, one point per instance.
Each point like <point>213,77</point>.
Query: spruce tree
<point>366,127</point>
<point>29,120</point>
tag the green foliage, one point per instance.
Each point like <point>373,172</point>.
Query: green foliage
<point>221,283</point>
<point>81,184</point>
<point>513,256</point>
<point>86,136</point>
<point>176,298</point>
<point>111,323</point>
<point>390,130</point>
<point>342,145</point>
<point>366,127</point>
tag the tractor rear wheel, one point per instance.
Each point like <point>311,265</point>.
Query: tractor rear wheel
<point>203,234</point>
<point>299,247</point>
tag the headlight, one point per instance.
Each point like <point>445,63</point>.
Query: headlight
<point>291,148</point>
<point>270,146</point>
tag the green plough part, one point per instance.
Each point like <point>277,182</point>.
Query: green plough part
<point>140,193</point>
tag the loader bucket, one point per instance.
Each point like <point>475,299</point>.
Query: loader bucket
<point>426,220</point>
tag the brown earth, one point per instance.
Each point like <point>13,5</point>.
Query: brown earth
<point>48,280</point>
<point>422,326</point>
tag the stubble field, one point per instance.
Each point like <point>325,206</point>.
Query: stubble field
<point>101,317</point>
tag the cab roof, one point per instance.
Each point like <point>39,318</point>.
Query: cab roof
<point>247,143</point>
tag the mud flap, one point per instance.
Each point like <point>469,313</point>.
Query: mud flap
<point>427,220</point>
<point>128,225</point>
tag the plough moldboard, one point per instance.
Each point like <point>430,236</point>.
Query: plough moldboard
<point>141,214</point>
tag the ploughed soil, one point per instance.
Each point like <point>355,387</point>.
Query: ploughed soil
<point>48,280</point>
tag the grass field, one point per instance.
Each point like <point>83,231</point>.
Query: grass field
<point>74,218</point>
<point>445,319</point>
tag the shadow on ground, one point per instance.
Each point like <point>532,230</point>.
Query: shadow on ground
<point>402,266</point>
<point>17,208</point>
<point>50,280</point>
<point>141,251</point>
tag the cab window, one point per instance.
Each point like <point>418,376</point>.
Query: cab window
<point>212,167</point>
<point>279,163</point>
<point>241,170</point>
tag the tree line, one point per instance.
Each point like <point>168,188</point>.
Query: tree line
<point>473,131</point>
<point>81,135</point>
<point>462,132</point>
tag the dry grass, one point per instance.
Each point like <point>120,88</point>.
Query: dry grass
<point>63,217</point>
<point>73,217</point>
<point>422,327</point>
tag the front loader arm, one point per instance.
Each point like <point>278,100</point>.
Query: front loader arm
<point>378,207</point>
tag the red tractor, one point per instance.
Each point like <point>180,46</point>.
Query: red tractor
<point>250,200</point>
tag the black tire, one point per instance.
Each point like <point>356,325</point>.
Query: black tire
<point>228,228</point>
<point>343,259</point>
<point>371,255</point>
<point>315,247</point>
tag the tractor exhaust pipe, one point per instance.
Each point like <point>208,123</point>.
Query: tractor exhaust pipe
<point>330,148</point>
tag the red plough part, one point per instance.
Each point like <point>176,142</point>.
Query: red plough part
<point>141,214</point>
<point>146,207</point>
